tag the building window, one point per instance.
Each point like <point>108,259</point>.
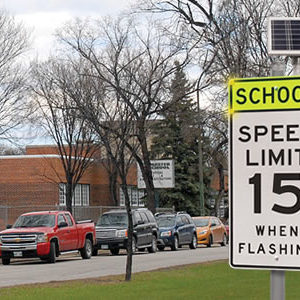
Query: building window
<point>85,194</point>
<point>81,196</point>
<point>62,194</point>
<point>77,195</point>
<point>122,198</point>
<point>141,198</point>
<point>135,196</point>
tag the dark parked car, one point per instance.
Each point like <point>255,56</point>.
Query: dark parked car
<point>175,230</point>
<point>112,231</point>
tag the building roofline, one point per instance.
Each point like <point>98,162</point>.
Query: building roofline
<point>30,156</point>
<point>36,156</point>
<point>41,146</point>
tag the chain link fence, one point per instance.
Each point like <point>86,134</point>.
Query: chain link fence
<point>9,214</point>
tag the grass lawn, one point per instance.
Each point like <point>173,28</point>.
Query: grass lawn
<point>206,281</point>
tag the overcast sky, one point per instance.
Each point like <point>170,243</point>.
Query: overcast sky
<point>43,17</point>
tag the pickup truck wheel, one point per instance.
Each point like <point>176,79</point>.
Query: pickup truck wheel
<point>52,253</point>
<point>86,251</point>
<point>5,261</point>
<point>114,251</point>
<point>153,247</point>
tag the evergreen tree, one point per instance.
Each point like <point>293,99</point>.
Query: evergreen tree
<point>176,138</point>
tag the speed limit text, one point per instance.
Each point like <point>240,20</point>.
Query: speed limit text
<point>273,133</point>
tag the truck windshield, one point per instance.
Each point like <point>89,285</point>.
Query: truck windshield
<point>113,219</point>
<point>35,221</point>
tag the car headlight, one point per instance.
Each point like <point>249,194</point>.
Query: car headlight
<point>166,233</point>
<point>203,232</point>
<point>121,233</point>
<point>42,238</point>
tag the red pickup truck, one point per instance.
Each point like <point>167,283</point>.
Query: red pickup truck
<point>46,234</point>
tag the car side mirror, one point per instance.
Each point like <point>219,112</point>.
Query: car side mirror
<point>62,224</point>
<point>8,226</point>
<point>140,222</point>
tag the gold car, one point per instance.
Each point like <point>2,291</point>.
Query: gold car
<point>210,230</point>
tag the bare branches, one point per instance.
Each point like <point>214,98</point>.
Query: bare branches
<point>191,12</point>
<point>57,90</point>
<point>13,43</point>
<point>233,33</point>
<point>291,8</point>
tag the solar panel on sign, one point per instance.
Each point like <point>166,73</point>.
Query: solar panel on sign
<point>284,36</point>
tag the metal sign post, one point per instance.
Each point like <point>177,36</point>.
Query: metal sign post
<point>277,278</point>
<point>277,286</point>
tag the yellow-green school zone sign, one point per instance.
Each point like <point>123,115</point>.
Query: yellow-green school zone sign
<point>264,93</point>
<point>264,168</point>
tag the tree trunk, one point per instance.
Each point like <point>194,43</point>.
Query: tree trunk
<point>130,231</point>
<point>218,201</point>
<point>147,173</point>
<point>113,186</point>
<point>69,194</point>
<point>221,188</point>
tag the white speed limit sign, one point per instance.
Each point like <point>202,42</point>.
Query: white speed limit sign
<point>264,125</point>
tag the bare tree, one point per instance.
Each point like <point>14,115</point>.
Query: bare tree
<point>112,123</point>
<point>57,89</point>
<point>216,129</point>
<point>115,133</point>
<point>233,32</point>
<point>14,42</point>
<point>137,66</point>
<point>193,12</point>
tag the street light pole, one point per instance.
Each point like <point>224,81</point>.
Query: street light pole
<point>200,155</point>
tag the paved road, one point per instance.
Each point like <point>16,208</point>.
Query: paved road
<point>70,267</point>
